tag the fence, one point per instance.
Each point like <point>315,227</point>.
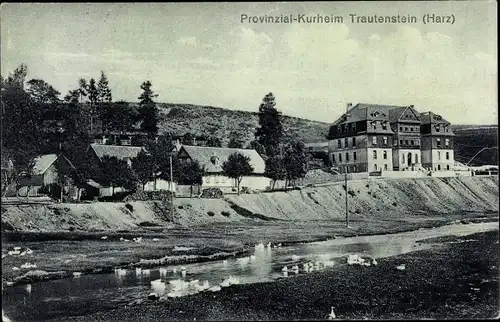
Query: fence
<point>187,191</point>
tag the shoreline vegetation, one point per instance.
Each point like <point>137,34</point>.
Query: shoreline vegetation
<point>432,286</point>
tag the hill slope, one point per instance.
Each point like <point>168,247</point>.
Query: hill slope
<point>220,122</point>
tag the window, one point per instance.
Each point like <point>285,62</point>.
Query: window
<point>416,158</point>
<point>340,157</point>
<point>401,128</point>
<point>438,142</point>
<point>339,144</point>
<point>216,179</point>
<point>384,126</point>
<point>400,142</point>
<point>447,155</point>
<point>385,155</point>
<point>374,125</point>
<point>354,168</point>
<point>447,142</point>
<point>411,142</point>
<point>333,158</point>
<point>208,179</point>
<point>345,127</point>
<point>385,166</point>
<point>353,126</point>
<point>406,129</point>
<point>346,143</point>
<point>346,156</point>
<point>439,155</point>
<point>353,141</point>
<point>375,155</point>
<point>374,140</point>
<point>439,167</point>
<point>402,158</point>
<point>417,142</point>
<point>448,167</point>
<point>385,140</point>
<point>406,142</point>
<point>437,128</point>
<point>375,167</point>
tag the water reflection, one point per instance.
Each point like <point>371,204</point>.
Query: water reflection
<point>46,300</point>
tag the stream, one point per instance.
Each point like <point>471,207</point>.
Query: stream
<point>88,293</point>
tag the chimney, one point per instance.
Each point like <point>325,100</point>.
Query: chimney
<point>349,106</point>
<point>412,106</point>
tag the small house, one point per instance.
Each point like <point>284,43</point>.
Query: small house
<point>212,159</point>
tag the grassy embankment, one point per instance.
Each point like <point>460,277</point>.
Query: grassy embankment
<point>459,280</point>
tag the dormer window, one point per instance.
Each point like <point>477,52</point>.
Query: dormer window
<point>215,160</point>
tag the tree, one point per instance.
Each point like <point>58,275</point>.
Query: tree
<point>93,95</point>
<point>72,96</point>
<point>234,143</point>
<point>214,142</point>
<point>275,169</point>
<point>296,162</point>
<point>83,88</point>
<point>17,78</point>
<point>191,173</point>
<point>161,151</point>
<point>144,168</point>
<point>117,116</point>
<point>236,167</point>
<point>103,91</point>
<point>148,112</point>
<point>270,132</point>
<point>116,173</point>
<point>187,139</point>
<point>42,92</point>
<point>257,147</point>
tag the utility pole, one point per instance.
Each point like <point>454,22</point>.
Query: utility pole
<point>171,189</point>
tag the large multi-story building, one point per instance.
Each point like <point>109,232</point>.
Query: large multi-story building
<point>371,138</point>
<point>361,140</point>
<point>437,142</point>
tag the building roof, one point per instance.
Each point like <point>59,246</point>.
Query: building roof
<point>368,112</point>
<point>432,118</point>
<point>119,151</point>
<point>204,155</point>
<point>43,162</point>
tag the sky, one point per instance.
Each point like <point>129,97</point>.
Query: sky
<point>202,53</point>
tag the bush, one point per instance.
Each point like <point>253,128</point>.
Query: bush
<point>351,193</point>
<point>211,213</point>
<point>245,190</point>
<point>129,207</point>
<point>394,204</point>
<point>225,214</point>
<point>212,193</point>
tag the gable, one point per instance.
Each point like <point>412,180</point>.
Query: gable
<point>409,114</point>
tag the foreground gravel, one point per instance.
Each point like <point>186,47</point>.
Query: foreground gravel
<point>458,281</point>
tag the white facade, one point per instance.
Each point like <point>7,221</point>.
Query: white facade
<point>379,159</point>
<point>256,182</point>
<point>439,159</point>
<point>407,158</point>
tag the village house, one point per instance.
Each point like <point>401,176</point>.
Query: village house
<point>126,153</point>
<point>212,158</point>
<point>44,173</point>
<point>437,143</point>
<point>374,138</point>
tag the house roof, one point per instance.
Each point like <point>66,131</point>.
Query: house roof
<point>204,154</point>
<point>43,162</point>
<point>368,112</point>
<point>119,151</point>
<point>432,118</point>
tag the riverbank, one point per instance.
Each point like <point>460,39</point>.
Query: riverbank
<point>59,255</point>
<point>380,199</point>
<point>457,281</point>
